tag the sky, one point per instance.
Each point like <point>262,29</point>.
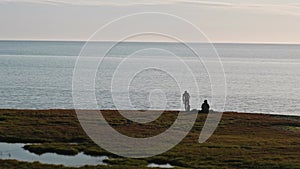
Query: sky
<point>232,21</point>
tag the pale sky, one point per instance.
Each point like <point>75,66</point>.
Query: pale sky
<point>256,21</point>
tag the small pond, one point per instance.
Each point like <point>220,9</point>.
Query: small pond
<point>153,165</point>
<point>16,152</point>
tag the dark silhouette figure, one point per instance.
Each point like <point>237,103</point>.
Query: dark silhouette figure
<point>205,107</point>
<point>186,101</point>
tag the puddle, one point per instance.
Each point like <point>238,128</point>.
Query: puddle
<point>153,165</point>
<point>16,152</point>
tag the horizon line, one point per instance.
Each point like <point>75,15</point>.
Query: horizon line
<point>110,41</point>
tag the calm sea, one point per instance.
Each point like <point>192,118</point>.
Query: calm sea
<point>260,78</point>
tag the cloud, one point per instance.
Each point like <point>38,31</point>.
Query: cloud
<point>271,8</point>
<point>205,3</point>
<point>91,2</point>
<point>46,2</point>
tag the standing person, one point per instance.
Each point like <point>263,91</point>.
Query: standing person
<point>205,107</point>
<point>186,100</point>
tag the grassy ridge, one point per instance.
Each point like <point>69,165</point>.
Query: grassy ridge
<point>240,141</point>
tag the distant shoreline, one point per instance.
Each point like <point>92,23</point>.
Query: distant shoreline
<point>158,42</point>
<point>175,111</point>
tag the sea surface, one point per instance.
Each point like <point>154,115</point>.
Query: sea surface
<point>260,78</point>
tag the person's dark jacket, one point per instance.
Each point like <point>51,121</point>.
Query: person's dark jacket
<point>205,108</point>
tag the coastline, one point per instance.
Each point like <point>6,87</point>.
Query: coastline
<point>241,140</point>
<point>174,111</point>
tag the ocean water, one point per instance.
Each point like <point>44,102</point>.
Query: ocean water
<point>260,78</point>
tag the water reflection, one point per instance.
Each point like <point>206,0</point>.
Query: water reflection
<point>16,152</point>
<point>153,165</point>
